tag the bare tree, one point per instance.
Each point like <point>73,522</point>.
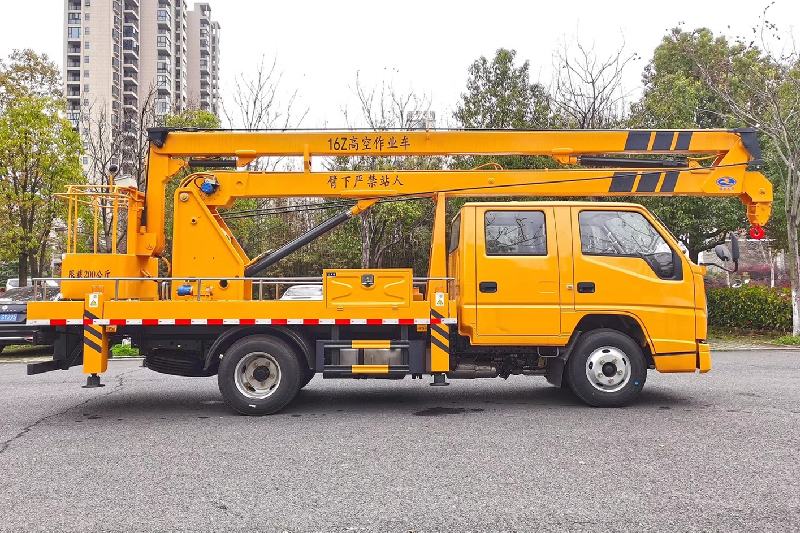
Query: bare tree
<point>588,90</point>
<point>384,227</point>
<point>111,138</point>
<point>258,103</point>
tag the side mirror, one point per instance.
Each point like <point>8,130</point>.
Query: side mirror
<point>722,253</point>
<point>725,256</point>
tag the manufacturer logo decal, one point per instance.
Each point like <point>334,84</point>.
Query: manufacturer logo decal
<point>726,183</point>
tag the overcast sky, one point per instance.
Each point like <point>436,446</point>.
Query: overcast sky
<point>424,45</point>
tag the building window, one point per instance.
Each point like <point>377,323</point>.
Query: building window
<point>74,33</point>
<point>86,17</point>
<point>86,102</point>
<point>85,160</point>
<point>85,59</point>
<point>86,30</point>
<point>85,73</point>
<point>86,88</point>
<point>86,45</point>
<point>85,145</point>
<point>88,3</point>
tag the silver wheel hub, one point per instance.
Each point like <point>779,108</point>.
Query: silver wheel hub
<point>608,369</point>
<point>258,375</point>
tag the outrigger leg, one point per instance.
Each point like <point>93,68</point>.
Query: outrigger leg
<point>93,381</point>
<point>95,341</point>
<point>439,380</point>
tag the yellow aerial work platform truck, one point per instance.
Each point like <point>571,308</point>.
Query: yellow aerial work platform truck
<point>588,294</point>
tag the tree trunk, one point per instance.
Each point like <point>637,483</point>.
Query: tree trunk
<point>694,255</point>
<point>794,270</point>
<point>23,270</point>
<point>33,265</point>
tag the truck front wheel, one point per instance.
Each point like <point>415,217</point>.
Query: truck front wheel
<point>259,375</point>
<point>606,369</point>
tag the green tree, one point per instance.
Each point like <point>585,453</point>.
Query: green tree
<point>761,86</point>
<point>500,95</point>
<point>675,96</point>
<point>38,157</point>
<point>193,118</point>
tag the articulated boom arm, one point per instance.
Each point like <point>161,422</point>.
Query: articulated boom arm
<point>727,175</point>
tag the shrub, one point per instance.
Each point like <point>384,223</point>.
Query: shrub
<point>120,350</point>
<point>750,307</point>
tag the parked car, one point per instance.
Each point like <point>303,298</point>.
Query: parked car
<point>14,314</point>
<point>13,283</point>
<point>303,292</point>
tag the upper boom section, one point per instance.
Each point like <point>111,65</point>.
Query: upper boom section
<point>557,143</point>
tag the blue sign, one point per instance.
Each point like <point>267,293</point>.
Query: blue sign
<point>726,183</point>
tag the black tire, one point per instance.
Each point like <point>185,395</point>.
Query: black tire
<point>620,348</point>
<point>309,375</point>
<point>286,381</point>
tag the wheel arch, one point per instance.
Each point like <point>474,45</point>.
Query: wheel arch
<point>293,338</point>
<point>626,323</point>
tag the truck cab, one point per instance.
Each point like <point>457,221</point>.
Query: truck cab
<point>542,273</point>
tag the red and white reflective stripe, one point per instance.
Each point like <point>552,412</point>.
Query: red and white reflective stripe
<point>240,321</point>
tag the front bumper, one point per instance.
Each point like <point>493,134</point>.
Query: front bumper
<point>687,362</point>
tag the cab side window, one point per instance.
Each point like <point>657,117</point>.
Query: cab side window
<point>627,234</point>
<point>515,233</point>
<point>455,235</point>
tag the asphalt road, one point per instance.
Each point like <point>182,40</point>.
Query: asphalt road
<point>149,452</point>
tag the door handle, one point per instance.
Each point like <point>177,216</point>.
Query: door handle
<point>586,287</point>
<point>488,286</point>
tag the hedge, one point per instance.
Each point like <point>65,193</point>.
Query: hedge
<point>750,307</point>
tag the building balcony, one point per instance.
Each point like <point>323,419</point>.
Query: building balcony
<point>132,21</point>
<point>130,104</point>
<point>134,4</point>
<point>71,49</point>
<point>130,76</point>
<point>73,77</point>
<point>131,90</point>
<point>73,63</point>
<point>164,45</point>
<point>130,49</point>
<point>73,93</point>
<point>164,19</point>
<point>74,6</point>
<point>131,12</point>
<point>131,32</point>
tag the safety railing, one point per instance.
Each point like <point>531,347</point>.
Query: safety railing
<point>165,284</point>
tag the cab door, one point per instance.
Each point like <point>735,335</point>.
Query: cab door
<point>625,265</point>
<point>517,273</point>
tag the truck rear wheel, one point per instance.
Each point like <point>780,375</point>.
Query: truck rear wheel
<point>259,375</point>
<point>606,369</point>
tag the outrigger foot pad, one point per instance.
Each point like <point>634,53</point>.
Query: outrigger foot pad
<point>93,381</point>
<point>439,381</point>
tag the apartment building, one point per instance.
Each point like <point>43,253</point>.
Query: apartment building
<point>127,57</point>
<point>203,58</point>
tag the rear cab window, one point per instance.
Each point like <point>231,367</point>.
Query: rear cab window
<point>515,233</point>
